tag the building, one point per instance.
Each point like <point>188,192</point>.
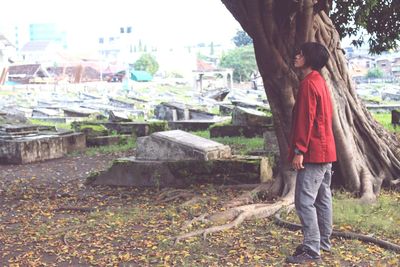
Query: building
<point>7,53</point>
<point>48,32</point>
<point>359,65</point>
<point>46,52</point>
<point>385,65</point>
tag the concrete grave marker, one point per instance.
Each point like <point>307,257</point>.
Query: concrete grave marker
<point>179,145</point>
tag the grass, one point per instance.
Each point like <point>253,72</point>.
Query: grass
<point>124,146</point>
<point>240,145</point>
<point>380,219</point>
<point>386,120</point>
<point>49,123</point>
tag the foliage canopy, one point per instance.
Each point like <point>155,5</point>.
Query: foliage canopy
<point>379,18</point>
<point>242,39</point>
<point>243,62</point>
<point>147,63</point>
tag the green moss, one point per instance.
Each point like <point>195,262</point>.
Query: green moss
<point>223,123</point>
<point>94,128</point>
<point>157,126</point>
<point>49,123</point>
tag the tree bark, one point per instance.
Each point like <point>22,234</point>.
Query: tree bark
<point>368,155</point>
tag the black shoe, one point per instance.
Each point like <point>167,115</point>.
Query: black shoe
<point>302,255</point>
<point>299,249</point>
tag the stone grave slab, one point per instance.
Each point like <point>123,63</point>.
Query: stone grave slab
<point>21,144</point>
<point>179,145</point>
<point>181,173</point>
<point>237,130</point>
<point>249,117</point>
<point>173,111</point>
<point>190,125</point>
<point>107,140</point>
<point>195,125</point>
<point>29,149</point>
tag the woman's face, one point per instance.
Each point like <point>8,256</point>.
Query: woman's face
<point>299,60</point>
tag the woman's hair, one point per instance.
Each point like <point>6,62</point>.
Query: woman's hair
<point>315,55</point>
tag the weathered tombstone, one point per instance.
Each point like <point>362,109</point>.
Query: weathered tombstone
<point>249,117</point>
<point>173,111</point>
<point>11,115</point>
<point>226,109</point>
<point>179,159</point>
<point>179,145</point>
<point>395,118</point>
<point>21,144</point>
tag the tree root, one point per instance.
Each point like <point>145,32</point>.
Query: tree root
<point>241,214</point>
<point>192,201</point>
<point>395,182</point>
<point>348,235</point>
<point>69,228</point>
<point>168,195</point>
<point>80,209</point>
<point>64,238</point>
<point>239,186</point>
<point>201,218</point>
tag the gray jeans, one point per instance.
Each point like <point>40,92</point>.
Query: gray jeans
<point>313,201</point>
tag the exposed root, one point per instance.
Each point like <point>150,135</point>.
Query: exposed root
<point>183,195</point>
<point>80,209</point>
<point>249,196</point>
<point>65,238</point>
<point>192,201</point>
<point>167,192</point>
<point>239,186</point>
<point>395,182</point>
<point>168,195</point>
<point>242,213</point>
<point>348,235</point>
<point>66,229</point>
<point>201,218</point>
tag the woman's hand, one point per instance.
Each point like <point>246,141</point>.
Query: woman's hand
<point>297,162</point>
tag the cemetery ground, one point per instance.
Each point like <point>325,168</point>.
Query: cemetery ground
<point>49,217</point>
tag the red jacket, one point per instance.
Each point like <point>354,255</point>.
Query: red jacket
<point>312,122</point>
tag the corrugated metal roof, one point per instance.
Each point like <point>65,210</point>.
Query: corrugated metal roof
<point>35,46</point>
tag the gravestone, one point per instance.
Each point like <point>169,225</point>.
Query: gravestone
<point>172,111</point>
<point>21,144</point>
<point>249,117</point>
<point>179,145</point>
<point>179,159</point>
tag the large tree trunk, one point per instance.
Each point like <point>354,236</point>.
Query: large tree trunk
<point>367,154</point>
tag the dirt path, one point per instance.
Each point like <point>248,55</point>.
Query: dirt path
<point>58,171</point>
<point>48,217</point>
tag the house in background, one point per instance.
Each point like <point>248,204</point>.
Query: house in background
<point>28,73</point>
<point>7,52</point>
<point>396,68</point>
<point>45,52</point>
<point>385,65</point>
<point>359,65</point>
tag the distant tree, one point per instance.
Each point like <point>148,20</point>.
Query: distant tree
<point>140,46</point>
<point>212,48</point>
<point>242,38</point>
<point>148,63</point>
<point>243,62</point>
<point>375,73</point>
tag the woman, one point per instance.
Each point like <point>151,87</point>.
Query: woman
<point>312,151</point>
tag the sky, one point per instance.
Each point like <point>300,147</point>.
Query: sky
<point>161,22</point>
